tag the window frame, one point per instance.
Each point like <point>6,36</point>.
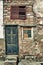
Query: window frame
<point>19,16</point>
<point>31,33</point>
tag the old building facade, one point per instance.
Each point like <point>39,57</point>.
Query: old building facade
<point>22,28</point>
<point>20,16</point>
<point>23,32</point>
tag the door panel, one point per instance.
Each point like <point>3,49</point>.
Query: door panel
<point>8,40</point>
<point>8,30</point>
<point>11,39</point>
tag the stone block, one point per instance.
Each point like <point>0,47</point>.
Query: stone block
<point>1,62</point>
<point>29,8</point>
<point>10,63</point>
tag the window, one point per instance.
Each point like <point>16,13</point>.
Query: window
<point>18,12</point>
<point>27,32</point>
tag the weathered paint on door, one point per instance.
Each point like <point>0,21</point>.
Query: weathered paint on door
<point>11,39</point>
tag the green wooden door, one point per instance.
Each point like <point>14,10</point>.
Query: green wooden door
<point>11,39</point>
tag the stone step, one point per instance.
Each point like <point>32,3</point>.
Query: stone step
<point>11,57</point>
<point>10,62</point>
<point>1,62</point>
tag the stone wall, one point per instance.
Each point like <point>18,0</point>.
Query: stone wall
<point>2,49</point>
<point>29,13</point>
<point>32,46</point>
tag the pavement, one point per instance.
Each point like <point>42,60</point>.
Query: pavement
<point>1,62</point>
<point>26,62</point>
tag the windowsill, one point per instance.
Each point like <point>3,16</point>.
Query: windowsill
<point>27,40</point>
<point>17,19</point>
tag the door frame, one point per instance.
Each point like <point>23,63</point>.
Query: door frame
<point>6,42</point>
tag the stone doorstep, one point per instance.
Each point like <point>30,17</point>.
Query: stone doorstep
<point>1,62</point>
<point>11,57</point>
<point>10,62</point>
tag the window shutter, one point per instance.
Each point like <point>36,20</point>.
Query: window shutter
<point>18,12</point>
<point>14,12</point>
